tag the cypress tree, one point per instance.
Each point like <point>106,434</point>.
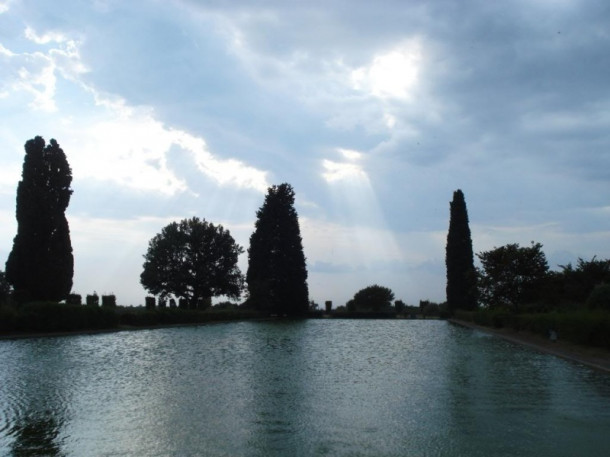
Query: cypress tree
<point>41,265</point>
<point>277,274</point>
<point>459,260</point>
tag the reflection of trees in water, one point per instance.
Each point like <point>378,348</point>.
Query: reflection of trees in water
<point>36,435</point>
<point>38,394</point>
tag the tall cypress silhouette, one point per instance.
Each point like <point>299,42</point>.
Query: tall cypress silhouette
<point>459,260</point>
<point>277,273</point>
<point>41,265</point>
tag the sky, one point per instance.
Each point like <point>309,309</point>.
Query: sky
<point>375,113</point>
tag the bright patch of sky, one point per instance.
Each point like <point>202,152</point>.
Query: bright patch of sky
<point>392,74</point>
<point>375,112</point>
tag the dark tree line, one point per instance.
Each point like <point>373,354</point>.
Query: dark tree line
<point>194,260</point>
<point>41,265</point>
<point>516,278</point>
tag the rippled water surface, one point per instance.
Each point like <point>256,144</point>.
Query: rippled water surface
<point>318,387</point>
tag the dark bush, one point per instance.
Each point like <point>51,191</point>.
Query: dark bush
<point>93,300</point>
<point>74,299</point>
<point>109,301</point>
<point>590,328</point>
<point>8,318</point>
<point>57,317</point>
<point>150,302</point>
<point>599,298</point>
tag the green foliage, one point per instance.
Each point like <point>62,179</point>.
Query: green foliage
<point>41,265</point>
<point>399,306</point>
<point>277,273</point>
<point>511,275</point>
<point>373,298</point>
<point>589,328</point>
<point>109,301</point>
<point>5,289</point>
<point>55,317</point>
<point>8,318</point>
<point>459,259</point>
<point>575,284</point>
<point>599,297</point>
<point>92,299</point>
<point>138,317</point>
<point>193,260</point>
<point>74,299</point>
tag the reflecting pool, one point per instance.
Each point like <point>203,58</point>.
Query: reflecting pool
<point>297,388</point>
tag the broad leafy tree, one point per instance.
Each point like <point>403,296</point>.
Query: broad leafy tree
<point>512,276</point>
<point>576,283</point>
<point>459,260</point>
<point>277,273</point>
<point>41,265</point>
<point>373,298</point>
<point>193,260</point>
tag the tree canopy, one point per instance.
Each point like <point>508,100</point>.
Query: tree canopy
<point>41,265</point>
<point>459,259</point>
<point>373,298</point>
<point>193,260</point>
<point>511,275</point>
<point>277,273</point>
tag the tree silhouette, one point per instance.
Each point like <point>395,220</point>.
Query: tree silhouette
<point>373,298</point>
<point>277,274</point>
<point>459,260</point>
<point>41,265</point>
<point>512,276</point>
<point>193,260</point>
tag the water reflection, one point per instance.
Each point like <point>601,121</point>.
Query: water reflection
<point>279,372</point>
<point>507,400</point>
<point>336,388</point>
<point>36,389</point>
<point>36,435</point>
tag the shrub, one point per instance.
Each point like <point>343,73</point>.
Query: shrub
<point>599,298</point>
<point>93,300</point>
<point>57,317</point>
<point>74,299</point>
<point>109,301</point>
<point>150,302</point>
<point>8,317</point>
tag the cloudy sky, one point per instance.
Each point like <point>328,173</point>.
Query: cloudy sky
<point>375,112</point>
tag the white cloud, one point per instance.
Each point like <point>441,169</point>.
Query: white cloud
<point>5,52</point>
<point>130,151</point>
<point>349,170</point>
<point>392,74</point>
<point>129,147</point>
<point>390,121</point>
<point>349,154</point>
<point>45,38</point>
<point>225,172</point>
<point>110,140</point>
<point>5,6</point>
<point>39,81</point>
<point>35,73</point>
<point>338,171</point>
